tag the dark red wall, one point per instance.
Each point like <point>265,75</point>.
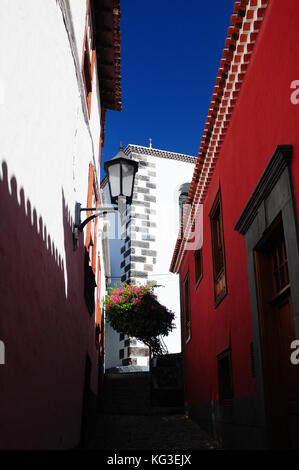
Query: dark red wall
<point>47,334</point>
<point>264,117</point>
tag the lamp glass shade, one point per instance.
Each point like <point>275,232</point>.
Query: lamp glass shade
<point>121,175</point>
<point>128,171</point>
<point>114,179</point>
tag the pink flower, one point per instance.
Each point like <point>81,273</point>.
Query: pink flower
<point>115,299</point>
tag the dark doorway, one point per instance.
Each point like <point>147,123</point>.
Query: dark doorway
<point>85,404</point>
<point>281,378</point>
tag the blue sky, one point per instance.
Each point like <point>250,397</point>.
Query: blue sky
<point>170,55</point>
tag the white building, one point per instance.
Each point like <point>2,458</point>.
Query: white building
<point>142,253</point>
<point>59,72</point>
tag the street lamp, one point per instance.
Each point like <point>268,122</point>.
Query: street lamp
<point>121,176</point>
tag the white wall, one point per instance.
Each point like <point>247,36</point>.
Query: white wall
<point>46,140</point>
<point>171,174</point>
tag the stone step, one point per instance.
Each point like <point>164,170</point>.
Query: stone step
<point>128,384</point>
<point>129,401</point>
<point>126,409</point>
<point>138,388</point>
<point>126,399</point>
<point>126,392</point>
<point>145,411</point>
<point>120,383</point>
<point>130,394</point>
<point>123,400</point>
<point>136,382</point>
<point>127,375</point>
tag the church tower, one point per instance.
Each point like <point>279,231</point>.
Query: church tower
<point>148,235</point>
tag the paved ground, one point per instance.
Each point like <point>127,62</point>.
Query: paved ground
<point>127,420</point>
<point>121,432</point>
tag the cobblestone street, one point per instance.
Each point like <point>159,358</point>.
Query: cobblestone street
<point>173,432</point>
<point>128,421</point>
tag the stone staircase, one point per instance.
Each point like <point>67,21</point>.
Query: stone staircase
<point>129,394</point>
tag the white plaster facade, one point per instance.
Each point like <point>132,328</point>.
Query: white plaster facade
<point>47,139</point>
<point>48,142</point>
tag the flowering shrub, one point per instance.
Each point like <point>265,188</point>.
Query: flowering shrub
<point>135,311</point>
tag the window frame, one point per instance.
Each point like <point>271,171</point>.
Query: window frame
<point>88,54</point>
<point>217,206</point>
<point>90,195</point>
<point>279,266</point>
<point>186,300</point>
<point>197,253</point>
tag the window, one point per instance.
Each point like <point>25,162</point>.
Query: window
<point>225,380</point>
<point>183,195</point>
<point>90,196</point>
<point>87,69</point>
<point>88,54</point>
<point>187,308</point>
<point>99,281</point>
<point>198,266</point>
<point>89,269</point>
<point>280,271</point>
<point>89,284</point>
<point>95,203</point>
<point>219,272</point>
<point>98,298</point>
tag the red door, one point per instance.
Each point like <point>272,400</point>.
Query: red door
<point>281,377</point>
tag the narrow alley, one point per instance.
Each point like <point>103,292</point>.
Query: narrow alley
<point>149,234</point>
<point>128,422</point>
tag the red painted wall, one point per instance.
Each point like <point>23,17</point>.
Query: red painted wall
<point>264,117</point>
<point>46,334</point>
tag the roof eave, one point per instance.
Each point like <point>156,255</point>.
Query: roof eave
<point>107,36</point>
<point>242,35</point>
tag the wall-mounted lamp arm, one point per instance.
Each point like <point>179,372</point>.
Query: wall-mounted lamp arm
<point>99,211</point>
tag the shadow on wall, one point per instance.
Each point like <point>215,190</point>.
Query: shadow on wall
<point>47,336</point>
